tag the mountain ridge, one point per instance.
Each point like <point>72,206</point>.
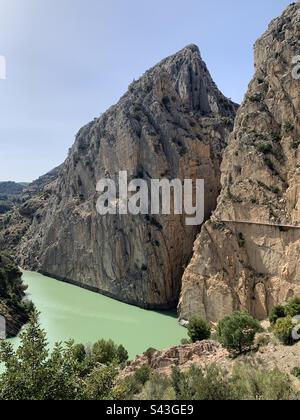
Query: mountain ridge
<point>173,122</point>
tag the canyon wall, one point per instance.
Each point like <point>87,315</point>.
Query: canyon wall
<point>172,123</point>
<point>246,256</point>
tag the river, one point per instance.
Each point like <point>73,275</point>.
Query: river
<point>69,312</point>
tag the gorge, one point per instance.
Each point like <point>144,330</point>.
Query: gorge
<point>172,123</point>
<point>175,123</point>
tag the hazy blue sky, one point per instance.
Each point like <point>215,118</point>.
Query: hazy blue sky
<point>69,60</point>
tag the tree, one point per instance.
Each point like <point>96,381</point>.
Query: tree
<point>122,354</point>
<point>107,352</point>
<point>100,384</point>
<point>277,313</point>
<point>79,352</point>
<point>34,374</point>
<point>198,330</point>
<point>237,332</point>
<point>293,307</point>
<point>283,330</point>
<point>68,372</point>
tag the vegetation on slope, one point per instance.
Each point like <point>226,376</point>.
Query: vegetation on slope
<point>77,372</point>
<point>13,306</point>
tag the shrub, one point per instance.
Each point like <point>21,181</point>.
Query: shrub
<point>269,164</point>
<point>276,137</point>
<point>262,340</point>
<point>293,307</point>
<point>275,190</point>
<point>106,352</point>
<point>241,240</point>
<point>276,313</point>
<point>237,332</point>
<point>198,330</point>
<point>289,127</point>
<point>79,352</point>
<point>295,144</point>
<point>122,354</point>
<point>149,354</point>
<point>158,388</point>
<point>265,148</point>
<point>251,383</point>
<point>142,375</point>
<point>283,330</point>
<point>185,341</point>
<point>255,98</point>
<point>246,383</point>
<point>99,385</point>
<point>211,384</point>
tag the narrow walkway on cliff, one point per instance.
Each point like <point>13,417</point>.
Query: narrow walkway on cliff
<point>245,222</point>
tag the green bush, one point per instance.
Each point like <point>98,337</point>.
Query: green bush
<point>277,313</point>
<point>122,354</point>
<point>253,383</point>
<point>283,330</point>
<point>276,137</point>
<point>185,341</point>
<point>79,352</point>
<point>158,388</point>
<point>198,330</point>
<point>149,354</point>
<point>211,384</point>
<point>265,148</point>
<point>107,352</point>
<point>142,375</point>
<point>293,307</point>
<point>99,385</point>
<point>216,384</point>
<point>237,332</point>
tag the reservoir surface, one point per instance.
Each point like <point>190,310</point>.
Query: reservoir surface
<point>69,312</point>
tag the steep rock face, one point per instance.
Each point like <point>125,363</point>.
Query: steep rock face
<point>246,256</point>
<point>172,123</point>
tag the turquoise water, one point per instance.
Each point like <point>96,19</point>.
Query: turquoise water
<point>69,312</point>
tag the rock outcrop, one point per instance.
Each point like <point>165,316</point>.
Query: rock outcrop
<point>172,123</point>
<point>246,256</point>
<point>269,356</point>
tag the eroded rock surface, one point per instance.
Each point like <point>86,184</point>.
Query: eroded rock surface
<point>247,255</point>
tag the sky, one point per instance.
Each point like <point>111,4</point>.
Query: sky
<point>69,60</point>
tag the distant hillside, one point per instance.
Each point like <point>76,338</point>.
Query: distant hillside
<point>13,194</point>
<point>10,195</point>
<point>12,188</point>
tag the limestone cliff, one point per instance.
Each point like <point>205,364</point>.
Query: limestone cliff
<point>246,256</point>
<point>172,123</point>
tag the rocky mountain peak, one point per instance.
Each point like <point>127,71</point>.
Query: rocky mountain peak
<point>172,123</point>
